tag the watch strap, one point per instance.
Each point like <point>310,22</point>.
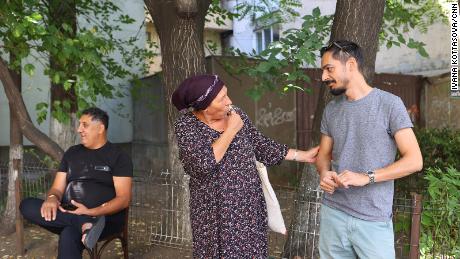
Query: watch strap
<point>371,176</point>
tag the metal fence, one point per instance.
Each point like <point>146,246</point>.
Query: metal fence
<point>156,217</point>
<point>36,179</point>
<point>155,211</point>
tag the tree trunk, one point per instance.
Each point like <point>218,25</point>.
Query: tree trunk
<point>14,169</point>
<point>180,25</point>
<point>360,22</point>
<point>29,130</point>
<point>63,133</point>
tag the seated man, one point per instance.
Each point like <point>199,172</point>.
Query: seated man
<point>90,193</point>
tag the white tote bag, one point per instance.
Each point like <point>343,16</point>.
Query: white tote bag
<point>275,218</point>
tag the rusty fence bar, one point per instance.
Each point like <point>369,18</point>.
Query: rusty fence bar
<point>415,226</point>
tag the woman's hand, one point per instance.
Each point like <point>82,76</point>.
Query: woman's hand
<point>308,156</point>
<point>235,123</point>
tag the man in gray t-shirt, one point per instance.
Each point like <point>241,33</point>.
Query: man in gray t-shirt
<point>361,131</point>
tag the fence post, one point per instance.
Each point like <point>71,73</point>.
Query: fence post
<point>415,226</point>
<point>19,220</point>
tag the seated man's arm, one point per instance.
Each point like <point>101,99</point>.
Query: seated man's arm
<point>120,202</point>
<point>54,196</point>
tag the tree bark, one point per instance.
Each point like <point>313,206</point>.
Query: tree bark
<point>17,105</point>
<point>14,169</point>
<point>360,22</point>
<point>64,134</point>
<point>180,25</point>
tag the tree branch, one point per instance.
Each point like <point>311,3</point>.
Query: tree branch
<point>28,129</point>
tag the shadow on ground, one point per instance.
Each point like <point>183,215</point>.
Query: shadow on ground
<point>40,243</point>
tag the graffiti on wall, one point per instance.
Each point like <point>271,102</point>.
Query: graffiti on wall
<point>273,116</point>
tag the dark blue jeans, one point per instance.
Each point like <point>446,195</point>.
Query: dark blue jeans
<point>68,227</point>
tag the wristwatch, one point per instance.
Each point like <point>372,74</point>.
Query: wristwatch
<point>371,176</point>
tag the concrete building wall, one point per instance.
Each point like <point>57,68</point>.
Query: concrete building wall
<point>438,109</point>
<point>150,142</point>
<point>35,89</point>
<point>243,36</point>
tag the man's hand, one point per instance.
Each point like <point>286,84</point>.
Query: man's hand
<point>49,208</point>
<point>349,178</point>
<point>80,210</point>
<point>328,182</point>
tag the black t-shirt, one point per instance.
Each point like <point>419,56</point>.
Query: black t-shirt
<point>90,173</point>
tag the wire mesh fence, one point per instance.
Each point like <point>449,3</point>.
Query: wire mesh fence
<point>36,180</point>
<point>157,216</point>
<point>301,214</point>
<point>156,211</point>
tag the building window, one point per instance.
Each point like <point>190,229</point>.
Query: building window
<point>266,36</point>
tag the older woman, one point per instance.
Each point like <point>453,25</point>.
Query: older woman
<point>218,147</point>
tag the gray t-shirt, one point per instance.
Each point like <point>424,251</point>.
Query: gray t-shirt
<point>363,140</point>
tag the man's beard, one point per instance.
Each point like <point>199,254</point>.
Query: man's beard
<point>335,91</point>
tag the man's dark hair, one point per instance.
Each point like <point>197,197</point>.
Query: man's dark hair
<point>342,50</point>
<point>97,115</point>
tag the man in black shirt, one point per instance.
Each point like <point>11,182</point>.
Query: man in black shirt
<point>90,192</point>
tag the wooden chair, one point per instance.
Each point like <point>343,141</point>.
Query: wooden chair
<point>122,235</point>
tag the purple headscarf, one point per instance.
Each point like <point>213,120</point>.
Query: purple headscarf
<point>197,92</point>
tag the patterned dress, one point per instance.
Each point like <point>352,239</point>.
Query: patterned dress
<point>227,207</point>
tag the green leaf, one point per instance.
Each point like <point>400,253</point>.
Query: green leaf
<point>29,69</point>
<point>36,16</point>
<point>56,78</point>
<point>264,67</point>
<point>412,44</point>
<point>17,31</point>
<point>316,12</point>
<point>66,27</point>
<point>42,111</point>
<point>422,52</point>
<point>42,105</point>
<point>427,220</point>
<point>68,84</point>
<point>389,44</point>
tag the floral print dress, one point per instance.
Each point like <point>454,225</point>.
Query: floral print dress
<point>227,207</point>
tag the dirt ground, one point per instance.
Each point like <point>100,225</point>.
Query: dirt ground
<point>40,243</point>
<point>148,214</point>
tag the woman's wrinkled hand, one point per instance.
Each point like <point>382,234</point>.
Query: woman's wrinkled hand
<point>235,122</point>
<point>310,155</point>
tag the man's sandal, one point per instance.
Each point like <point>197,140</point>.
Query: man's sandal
<point>93,233</point>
